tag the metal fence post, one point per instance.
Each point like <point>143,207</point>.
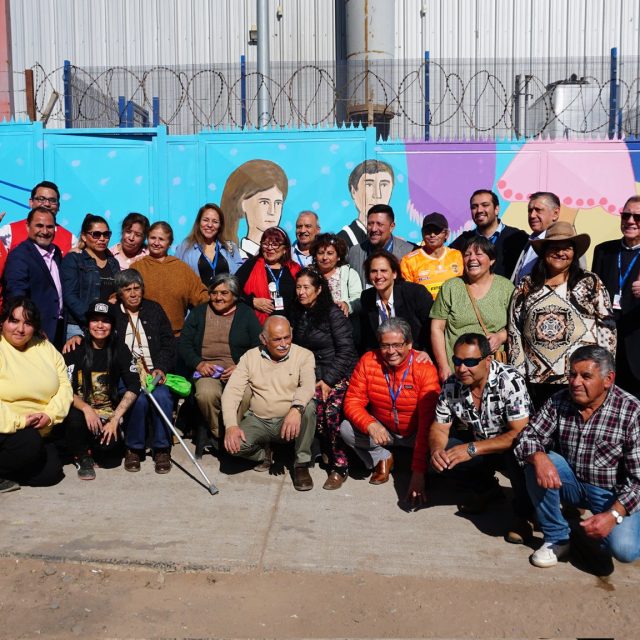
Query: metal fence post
<point>156,110</point>
<point>613,92</point>
<point>243,90</point>
<point>122,108</point>
<point>427,96</point>
<point>68,100</point>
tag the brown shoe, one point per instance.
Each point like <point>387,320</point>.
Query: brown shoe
<point>131,461</point>
<point>520,531</point>
<point>163,462</point>
<point>302,479</point>
<point>335,480</point>
<point>265,465</point>
<point>381,471</point>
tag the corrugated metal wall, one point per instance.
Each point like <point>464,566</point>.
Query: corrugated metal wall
<point>552,39</point>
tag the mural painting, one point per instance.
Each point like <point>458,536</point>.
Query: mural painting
<point>265,178</point>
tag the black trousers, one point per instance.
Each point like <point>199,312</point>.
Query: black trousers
<point>26,458</point>
<point>81,441</point>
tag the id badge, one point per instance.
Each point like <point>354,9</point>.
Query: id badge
<point>396,418</point>
<point>616,302</point>
<point>278,303</point>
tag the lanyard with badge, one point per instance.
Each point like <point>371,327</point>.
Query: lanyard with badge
<point>274,289</point>
<point>213,264</point>
<point>300,257</point>
<point>395,393</point>
<point>622,278</point>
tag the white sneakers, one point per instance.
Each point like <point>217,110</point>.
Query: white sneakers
<point>549,554</point>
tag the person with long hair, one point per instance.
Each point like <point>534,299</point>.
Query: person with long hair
<point>207,249</point>
<point>132,245</point>
<point>329,253</point>
<point>322,328</point>
<point>556,309</point>
<point>88,274</point>
<point>35,396</point>
<point>256,190</point>
<point>167,279</point>
<point>268,279</point>
<point>95,367</point>
<point>477,302</point>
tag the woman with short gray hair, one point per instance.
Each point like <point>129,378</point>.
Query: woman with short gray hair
<point>145,328</point>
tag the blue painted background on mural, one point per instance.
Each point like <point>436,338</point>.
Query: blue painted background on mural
<point>114,171</point>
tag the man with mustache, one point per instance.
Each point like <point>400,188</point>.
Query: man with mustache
<point>33,269</point>
<point>307,228</point>
<point>282,379</point>
<point>380,226</point>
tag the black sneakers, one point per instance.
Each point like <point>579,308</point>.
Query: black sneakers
<point>8,485</point>
<point>85,468</point>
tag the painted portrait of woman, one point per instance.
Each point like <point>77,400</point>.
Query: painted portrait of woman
<point>256,190</point>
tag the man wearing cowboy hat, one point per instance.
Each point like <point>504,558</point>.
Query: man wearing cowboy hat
<point>618,265</point>
<point>556,309</point>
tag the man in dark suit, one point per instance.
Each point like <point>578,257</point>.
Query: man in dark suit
<point>617,262</point>
<point>508,241</point>
<point>33,269</point>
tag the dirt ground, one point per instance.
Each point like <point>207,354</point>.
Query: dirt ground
<point>64,600</point>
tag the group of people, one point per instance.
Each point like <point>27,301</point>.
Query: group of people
<point>499,351</point>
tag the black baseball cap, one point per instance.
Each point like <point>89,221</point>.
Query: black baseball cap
<point>435,219</point>
<point>100,308</point>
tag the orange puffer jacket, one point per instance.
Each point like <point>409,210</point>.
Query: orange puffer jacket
<point>368,400</point>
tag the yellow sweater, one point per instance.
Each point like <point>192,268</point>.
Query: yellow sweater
<point>32,381</point>
<point>275,386</point>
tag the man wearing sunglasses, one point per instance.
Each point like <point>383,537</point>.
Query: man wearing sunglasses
<point>45,195</point>
<point>489,404</point>
<point>617,263</point>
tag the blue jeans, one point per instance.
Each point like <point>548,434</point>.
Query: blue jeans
<point>624,540</point>
<point>136,419</point>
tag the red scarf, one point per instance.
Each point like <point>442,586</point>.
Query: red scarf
<point>258,285</point>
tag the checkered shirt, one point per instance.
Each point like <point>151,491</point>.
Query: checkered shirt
<point>603,451</point>
<point>504,399</point>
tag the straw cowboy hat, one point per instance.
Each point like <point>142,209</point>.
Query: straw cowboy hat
<point>561,232</point>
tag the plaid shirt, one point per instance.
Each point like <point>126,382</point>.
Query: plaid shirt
<point>603,451</point>
<point>504,399</point>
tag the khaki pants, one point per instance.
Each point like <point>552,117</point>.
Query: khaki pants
<point>261,431</point>
<point>208,395</point>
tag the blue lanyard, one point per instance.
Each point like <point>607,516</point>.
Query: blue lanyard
<point>298,254</point>
<point>276,280</point>
<point>213,264</point>
<point>389,246</point>
<point>394,394</point>
<point>622,278</point>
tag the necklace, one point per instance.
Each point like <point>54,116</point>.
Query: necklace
<point>475,396</point>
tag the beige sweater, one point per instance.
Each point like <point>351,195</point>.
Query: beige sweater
<point>275,386</point>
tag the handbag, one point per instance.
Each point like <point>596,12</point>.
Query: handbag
<point>500,355</point>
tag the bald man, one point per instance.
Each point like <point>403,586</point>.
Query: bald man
<point>281,378</point>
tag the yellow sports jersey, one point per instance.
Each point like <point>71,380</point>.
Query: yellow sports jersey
<point>418,266</point>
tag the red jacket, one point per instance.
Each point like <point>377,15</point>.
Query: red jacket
<point>368,399</point>
<point>19,233</point>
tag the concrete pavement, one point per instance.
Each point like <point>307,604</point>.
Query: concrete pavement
<point>259,522</point>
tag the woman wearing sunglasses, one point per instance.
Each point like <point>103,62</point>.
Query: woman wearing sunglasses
<point>88,275</point>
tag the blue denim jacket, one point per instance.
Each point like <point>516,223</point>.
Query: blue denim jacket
<point>81,284</point>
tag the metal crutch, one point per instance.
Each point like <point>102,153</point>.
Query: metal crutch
<point>212,487</point>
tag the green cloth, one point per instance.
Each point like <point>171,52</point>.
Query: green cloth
<point>454,306</point>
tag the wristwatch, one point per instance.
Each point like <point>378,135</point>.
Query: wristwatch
<point>471,450</point>
<point>617,516</point>
<point>299,408</point>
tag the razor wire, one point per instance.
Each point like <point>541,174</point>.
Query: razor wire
<point>443,99</point>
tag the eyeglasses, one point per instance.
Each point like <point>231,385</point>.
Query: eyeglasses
<point>467,362</point>
<point>625,215</point>
<point>271,244</point>
<point>395,346</point>
<point>432,231</point>
<point>43,200</point>
<point>96,235</point>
